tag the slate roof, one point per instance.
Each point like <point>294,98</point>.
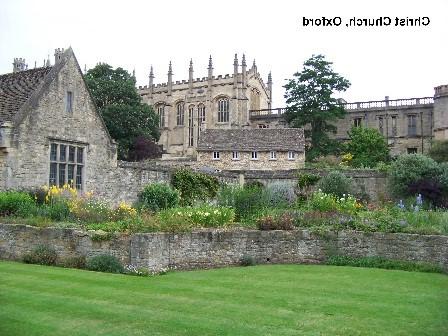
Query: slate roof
<point>257,139</point>
<point>16,88</point>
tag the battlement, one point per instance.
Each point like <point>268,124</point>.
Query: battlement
<point>440,91</point>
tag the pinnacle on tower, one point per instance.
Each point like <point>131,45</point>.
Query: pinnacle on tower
<point>210,62</point>
<point>170,69</point>
<point>191,64</point>
<point>151,73</point>
<point>235,61</point>
<point>269,77</point>
<point>243,61</point>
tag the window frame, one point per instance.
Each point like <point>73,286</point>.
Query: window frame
<point>254,155</point>
<point>216,155</point>
<point>291,155</point>
<point>235,155</point>
<point>201,113</point>
<point>412,125</point>
<point>160,108</point>
<point>223,110</point>
<point>69,101</point>
<point>180,113</point>
<point>357,122</point>
<point>273,155</point>
<point>65,157</point>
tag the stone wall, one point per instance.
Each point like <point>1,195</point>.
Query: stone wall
<point>218,248</point>
<point>128,179</point>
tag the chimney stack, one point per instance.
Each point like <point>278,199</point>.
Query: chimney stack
<point>19,65</point>
<point>58,55</point>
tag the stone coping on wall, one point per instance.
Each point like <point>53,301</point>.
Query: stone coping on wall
<point>220,248</point>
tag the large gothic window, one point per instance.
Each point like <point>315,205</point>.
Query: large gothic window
<point>180,108</point>
<point>190,125</point>
<point>201,113</point>
<point>161,113</point>
<point>223,110</point>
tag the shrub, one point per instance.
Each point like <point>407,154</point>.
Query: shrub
<point>245,200</point>
<point>89,210</point>
<point>305,180</point>
<point>320,201</point>
<point>42,255</point>
<point>379,262</point>
<point>194,186</point>
<point>104,263</point>
<point>335,183</point>
<point>254,184</point>
<point>282,222</point>
<point>144,148</point>
<point>367,146</point>
<point>439,151</point>
<point>16,203</point>
<point>430,189</point>
<point>158,196</point>
<point>280,194</point>
<point>411,168</point>
<point>75,262</point>
<point>247,260</point>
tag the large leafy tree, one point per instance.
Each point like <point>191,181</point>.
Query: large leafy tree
<point>310,104</point>
<point>120,105</point>
<point>367,146</point>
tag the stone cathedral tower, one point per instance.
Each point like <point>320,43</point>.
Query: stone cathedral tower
<point>219,102</point>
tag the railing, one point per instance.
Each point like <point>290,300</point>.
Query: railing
<point>277,112</point>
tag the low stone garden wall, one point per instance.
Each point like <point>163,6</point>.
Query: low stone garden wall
<point>218,248</point>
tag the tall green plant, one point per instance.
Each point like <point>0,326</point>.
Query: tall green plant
<point>194,186</point>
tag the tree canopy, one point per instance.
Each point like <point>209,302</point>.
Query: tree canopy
<point>121,107</point>
<point>310,103</point>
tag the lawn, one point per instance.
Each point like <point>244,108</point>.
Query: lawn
<point>260,300</point>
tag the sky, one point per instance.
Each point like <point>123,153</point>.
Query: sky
<point>394,61</point>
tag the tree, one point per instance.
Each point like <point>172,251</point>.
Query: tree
<point>120,105</point>
<point>309,102</point>
<point>144,148</point>
<point>367,146</point>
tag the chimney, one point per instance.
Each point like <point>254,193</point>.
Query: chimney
<point>19,65</point>
<point>58,55</point>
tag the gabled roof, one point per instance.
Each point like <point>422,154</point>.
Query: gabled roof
<point>16,88</point>
<point>257,139</point>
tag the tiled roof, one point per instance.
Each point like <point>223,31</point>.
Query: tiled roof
<point>16,88</point>
<point>258,139</point>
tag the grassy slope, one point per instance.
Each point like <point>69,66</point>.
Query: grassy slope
<point>261,300</point>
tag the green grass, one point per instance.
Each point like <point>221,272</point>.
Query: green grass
<point>260,300</point>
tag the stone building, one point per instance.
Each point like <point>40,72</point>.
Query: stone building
<point>187,107</point>
<point>409,125</point>
<point>252,149</point>
<point>50,130</point>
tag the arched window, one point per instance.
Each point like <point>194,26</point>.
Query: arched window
<point>190,125</point>
<point>201,113</point>
<point>160,109</point>
<point>180,108</point>
<point>254,99</point>
<point>223,110</point>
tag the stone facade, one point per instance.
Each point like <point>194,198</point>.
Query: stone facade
<point>55,131</point>
<point>252,149</point>
<point>220,102</point>
<point>409,125</point>
<point>208,249</point>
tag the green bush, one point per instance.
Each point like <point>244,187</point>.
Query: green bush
<point>75,262</point>
<point>42,255</point>
<point>16,203</point>
<point>158,196</point>
<point>104,263</point>
<point>88,210</point>
<point>245,200</point>
<point>57,210</point>
<point>409,169</point>
<point>247,260</point>
<point>439,151</point>
<point>335,183</point>
<point>305,180</point>
<point>279,194</point>
<point>379,262</point>
<point>194,186</point>
<point>367,146</point>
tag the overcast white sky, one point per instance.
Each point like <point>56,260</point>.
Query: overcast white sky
<point>396,61</point>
